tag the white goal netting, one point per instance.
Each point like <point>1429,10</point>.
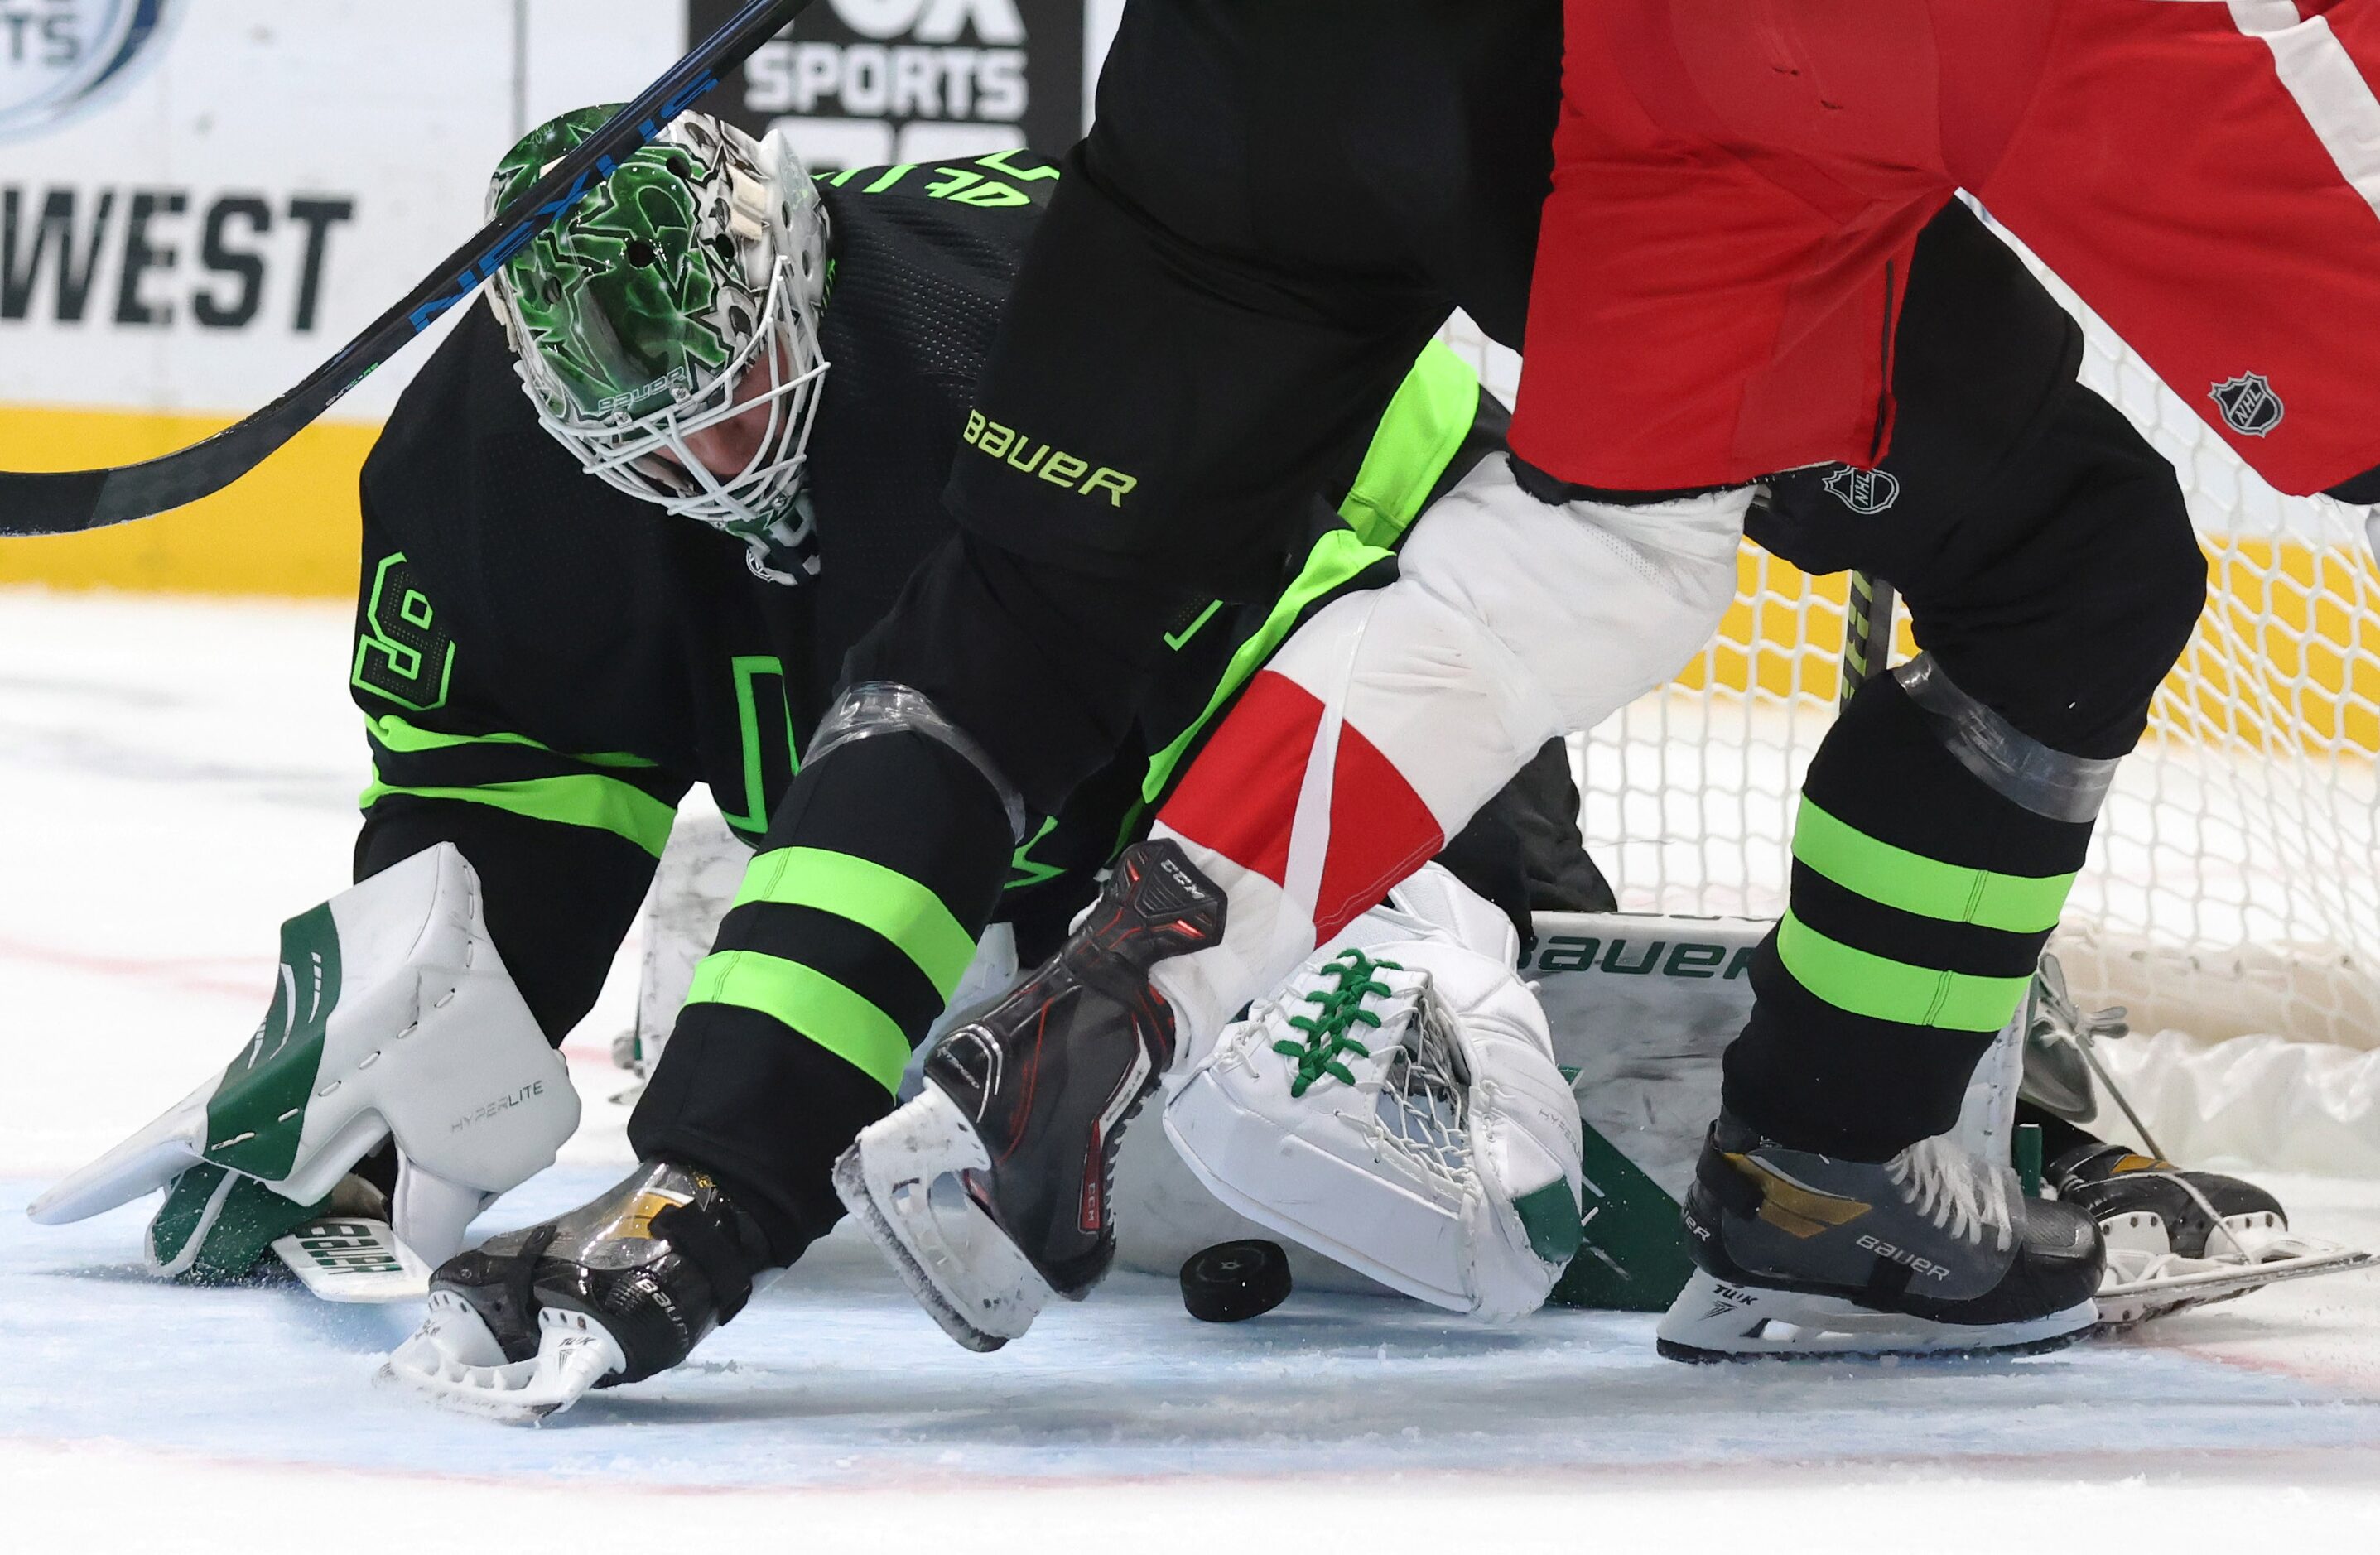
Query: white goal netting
<point>2232,886</point>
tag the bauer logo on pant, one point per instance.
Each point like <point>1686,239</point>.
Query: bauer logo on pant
<point>2249,406</point>
<point>1864,491</point>
<point>58,57</point>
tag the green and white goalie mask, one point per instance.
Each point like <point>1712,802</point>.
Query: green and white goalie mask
<point>681,293</point>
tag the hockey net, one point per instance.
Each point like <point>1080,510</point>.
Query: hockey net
<point>2231,887</point>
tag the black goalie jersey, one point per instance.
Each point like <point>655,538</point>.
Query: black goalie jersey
<point>549,665</point>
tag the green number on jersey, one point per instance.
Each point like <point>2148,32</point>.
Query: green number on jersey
<point>402,652</point>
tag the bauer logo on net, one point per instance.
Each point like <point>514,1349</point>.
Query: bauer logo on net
<point>60,58</point>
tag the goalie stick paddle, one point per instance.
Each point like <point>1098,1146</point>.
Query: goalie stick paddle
<point>68,502</point>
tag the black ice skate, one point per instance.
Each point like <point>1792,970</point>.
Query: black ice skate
<point>614,1292</point>
<point>2180,1239</point>
<point>991,1189</point>
<point>1934,1251</point>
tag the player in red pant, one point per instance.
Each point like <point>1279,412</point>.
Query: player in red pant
<point>1721,268</point>
<point>1739,195</point>
<point>1735,204</point>
<point>1721,274</point>
<point>1709,272</point>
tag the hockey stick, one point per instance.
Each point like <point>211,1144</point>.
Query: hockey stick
<point>68,502</point>
<point>1867,631</point>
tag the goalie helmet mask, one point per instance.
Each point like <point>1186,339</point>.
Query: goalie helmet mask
<point>681,293</point>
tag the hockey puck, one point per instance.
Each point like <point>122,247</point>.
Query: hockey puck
<point>1235,1280</point>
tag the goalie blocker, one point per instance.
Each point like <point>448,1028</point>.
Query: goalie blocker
<point>393,1022</point>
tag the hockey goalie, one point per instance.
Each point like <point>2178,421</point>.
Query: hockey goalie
<point>571,614</point>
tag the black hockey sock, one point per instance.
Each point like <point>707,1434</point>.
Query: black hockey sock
<point>1922,895</point>
<point>858,915</point>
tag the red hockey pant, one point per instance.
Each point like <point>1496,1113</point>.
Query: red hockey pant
<point>1739,184</point>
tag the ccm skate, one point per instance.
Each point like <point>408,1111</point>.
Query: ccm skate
<point>991,1190</point>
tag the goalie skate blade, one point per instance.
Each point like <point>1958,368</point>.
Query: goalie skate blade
<point>901,1180</point>
<point>1714,1320</point>
<point>455,1363</point>
<point>2138,1292</point>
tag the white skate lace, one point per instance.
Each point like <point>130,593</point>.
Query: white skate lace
<point>1955,1190</point>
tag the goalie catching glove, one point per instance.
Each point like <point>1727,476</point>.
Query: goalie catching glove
<point>394,1017</point>
<point>1395,1105</point>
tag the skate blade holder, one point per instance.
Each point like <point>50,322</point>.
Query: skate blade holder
<point>455,1363</point>
<point>2253,1238</point>
<point>2141,1284</point>
<point>1714,1321</point>
<point>904,1179</point>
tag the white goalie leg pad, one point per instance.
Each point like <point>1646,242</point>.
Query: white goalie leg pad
<point>1512,621</point>
<point>1395,1106</point>
<point>693,887</point>
<point>394,1015</point>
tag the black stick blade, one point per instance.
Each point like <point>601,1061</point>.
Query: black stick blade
<point>62,503</point>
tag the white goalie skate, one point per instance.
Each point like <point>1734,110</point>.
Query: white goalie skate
<point>2142,1284</point>
<point>455,1363</point>
<point>2147,1277</point>
<point>2176,1238</point>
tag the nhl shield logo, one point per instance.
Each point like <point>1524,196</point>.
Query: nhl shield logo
<point>2249,406</point>
<point>1864,491</point>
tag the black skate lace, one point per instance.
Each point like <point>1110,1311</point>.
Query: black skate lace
<point>1327,1039</point>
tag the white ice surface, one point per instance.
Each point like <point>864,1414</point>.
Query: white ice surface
<point>176,779</point>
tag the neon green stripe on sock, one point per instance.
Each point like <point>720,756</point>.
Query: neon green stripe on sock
<point>1883,989</point>
<point>1914,883</point>
<point>812,1003</point>
<point>871,896</point>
